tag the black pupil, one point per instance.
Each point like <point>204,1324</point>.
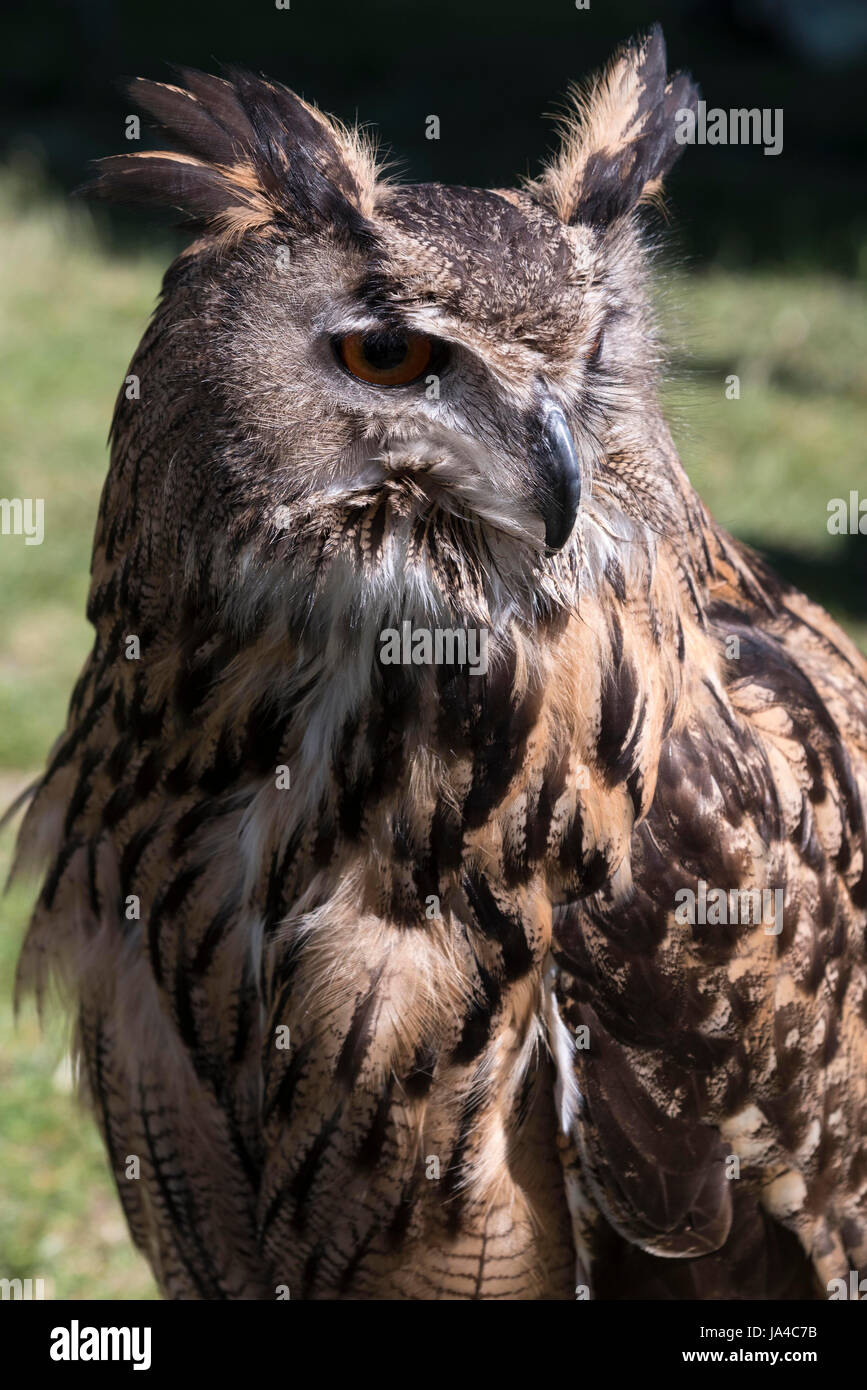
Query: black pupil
<point>384,351</point>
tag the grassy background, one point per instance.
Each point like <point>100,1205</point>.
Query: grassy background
<point>72,311</point>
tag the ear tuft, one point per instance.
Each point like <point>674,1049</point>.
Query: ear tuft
<point>252,154</point>
<point>619,138</point>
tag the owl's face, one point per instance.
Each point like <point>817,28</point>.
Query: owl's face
<point>414,384</point>
<point>449,365</point>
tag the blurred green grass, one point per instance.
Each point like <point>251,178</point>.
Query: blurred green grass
<point>71,315</point>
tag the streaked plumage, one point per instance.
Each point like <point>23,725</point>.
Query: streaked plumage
<point>265,518</point>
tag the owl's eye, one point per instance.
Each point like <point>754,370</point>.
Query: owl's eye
<point>386,358</point>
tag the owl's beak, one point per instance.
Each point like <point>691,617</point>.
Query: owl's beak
<point>557,478</point>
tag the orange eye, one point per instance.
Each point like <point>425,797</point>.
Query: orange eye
<point>387,357</point>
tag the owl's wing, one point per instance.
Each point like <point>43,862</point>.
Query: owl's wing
<point>720,1063</point>
<point>137,824</point>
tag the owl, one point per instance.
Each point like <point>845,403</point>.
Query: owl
<point>455,857</point>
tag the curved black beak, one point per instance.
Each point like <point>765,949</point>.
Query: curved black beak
<point>557,478</point>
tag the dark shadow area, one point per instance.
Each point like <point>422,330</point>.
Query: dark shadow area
<point>837,581</point>
<point>489,69</point>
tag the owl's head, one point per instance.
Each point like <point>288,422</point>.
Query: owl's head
<point>419,387</point>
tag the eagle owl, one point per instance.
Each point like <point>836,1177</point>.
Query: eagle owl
<point>424,694</point>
